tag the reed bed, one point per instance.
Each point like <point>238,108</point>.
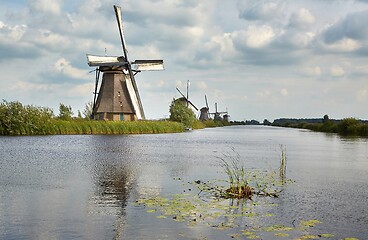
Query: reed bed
<point>110,127</point>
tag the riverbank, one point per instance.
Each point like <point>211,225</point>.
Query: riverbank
<point>81,126</point>
<point>17,119</point>
<point>344,127</point>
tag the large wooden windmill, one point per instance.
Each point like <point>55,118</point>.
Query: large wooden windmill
<point>118,97</point>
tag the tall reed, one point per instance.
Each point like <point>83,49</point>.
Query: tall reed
<point>282,168</point>
<point>236,172</point>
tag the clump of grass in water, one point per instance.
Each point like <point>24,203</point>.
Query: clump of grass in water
<point>282,168</point>
<point>244,183</point>
<point>239,187</point>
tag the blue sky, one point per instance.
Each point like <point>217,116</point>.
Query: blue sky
<point>258,59</point>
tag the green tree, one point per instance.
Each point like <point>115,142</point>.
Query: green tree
<point>87,112</point>
<point>179,112</point>
<point>65,112</point>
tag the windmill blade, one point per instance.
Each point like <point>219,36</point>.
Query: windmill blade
<point>100,61</point>
<point>95,93</point>
<point>193,105</point>
<point>148,65</point>
<point>121,30</point>
<point>205,98</point>
<point>181,94</point>
<point>138,109</point>
<point>186,99</point>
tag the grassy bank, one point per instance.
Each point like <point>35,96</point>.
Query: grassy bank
<point>345,127</point>
<point>19,119</point>
<point>56,126</point>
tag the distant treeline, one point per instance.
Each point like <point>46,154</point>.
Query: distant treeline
<point>19,119</point>
<point>346,127</point>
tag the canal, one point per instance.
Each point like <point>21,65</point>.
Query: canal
<point>91,186</point>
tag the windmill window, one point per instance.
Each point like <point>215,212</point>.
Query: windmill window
<point>118,94</point>
<point>121,104</point>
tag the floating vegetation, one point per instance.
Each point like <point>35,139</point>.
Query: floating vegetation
<point>310,223</point>
<point>326,235</point>
<point>245,203</point>
<point>245,183</point>
<point>277,228</point>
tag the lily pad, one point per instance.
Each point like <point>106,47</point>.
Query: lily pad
<point>277,228</point>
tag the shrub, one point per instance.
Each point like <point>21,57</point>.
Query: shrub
<point>179,112</point>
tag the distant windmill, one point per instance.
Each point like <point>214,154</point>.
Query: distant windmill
<point>204,111</point>
<point>118,97</point>
<point>217,115</point>
<point>186,98</point>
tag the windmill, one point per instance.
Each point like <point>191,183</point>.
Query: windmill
<point>186,98</point>
<point>217,115</point>
<point>204,111</point>
<point>118,97</point>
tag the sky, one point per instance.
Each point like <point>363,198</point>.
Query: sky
<point>256,59</point>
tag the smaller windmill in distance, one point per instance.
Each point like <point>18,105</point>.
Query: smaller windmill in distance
<point>204,111</point>
<point>186,98</point>
<point>217,115</point>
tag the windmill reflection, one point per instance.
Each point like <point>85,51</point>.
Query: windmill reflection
<point>113,183</point>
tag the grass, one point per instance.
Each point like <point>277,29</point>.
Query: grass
<point>244,183</point>
<point>110,127</point>
<point>236,173</point>
<point>19,119</point>
<point>282,168</point>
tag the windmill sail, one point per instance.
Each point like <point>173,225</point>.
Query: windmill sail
<point>186,99</point>
<point>148,65</point>
<point>94,60</point>
<point>121,30</point>
<point>134,98</point>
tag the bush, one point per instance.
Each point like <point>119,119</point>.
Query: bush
<point>16,119</point>
<point>179,112</point>
<point>348,126</point>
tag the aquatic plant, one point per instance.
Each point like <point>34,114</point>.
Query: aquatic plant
<point>236,173</point>
<point>243,182</point>
<point>282,168</point>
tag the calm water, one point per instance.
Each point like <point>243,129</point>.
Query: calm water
<point>67,187</point>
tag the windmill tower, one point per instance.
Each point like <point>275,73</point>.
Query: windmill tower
<point>204,111</point>
<point>118,97</point>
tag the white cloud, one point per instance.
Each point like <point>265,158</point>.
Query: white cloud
<point>310,71</point>
<point>303,18</point>
<point>11,33</point>
<point>46,6</point>
<point>284,92</point>
<point>264,94</point>
<point>85,90</point>
<point>337,71</point>
<point>254,36</point>
<point>343,45</point>
<point>201,85</point>
<point>362,95</point>
<point>64,67</point>
<point>261,10</point>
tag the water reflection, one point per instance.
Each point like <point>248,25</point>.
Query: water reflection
<point>113,175</point>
